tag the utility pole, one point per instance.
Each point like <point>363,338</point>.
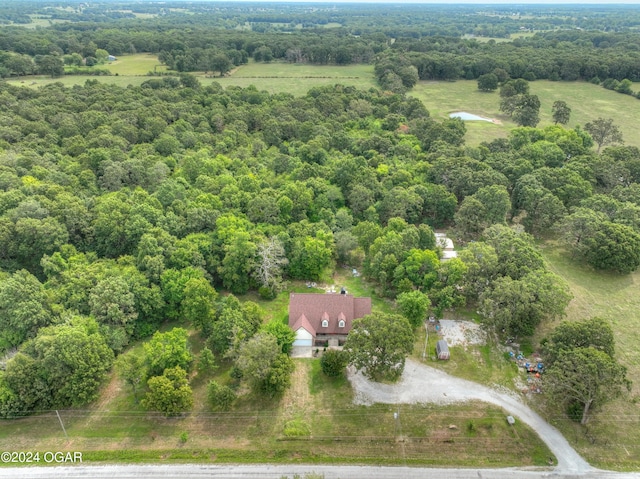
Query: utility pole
<point>63,429</point>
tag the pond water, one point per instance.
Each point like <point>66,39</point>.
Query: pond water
<point>463,115</point>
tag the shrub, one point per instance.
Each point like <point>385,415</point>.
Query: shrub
<point>220,397</point>
<point>333,362</point>
<point>296,428</point>
<point>267,292</point>
<point>610,83</point>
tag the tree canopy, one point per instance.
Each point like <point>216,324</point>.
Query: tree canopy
<point>378,345</point>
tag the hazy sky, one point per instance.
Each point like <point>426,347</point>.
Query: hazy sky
<point>463,2</point>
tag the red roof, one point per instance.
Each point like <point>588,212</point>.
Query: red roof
<point>308,310</point>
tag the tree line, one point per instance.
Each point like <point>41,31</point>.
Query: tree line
<point>431,39</point>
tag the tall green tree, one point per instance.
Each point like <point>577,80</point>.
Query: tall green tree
<point>593,333</point>
<point>75,359</point>
<point>488,82</point>
<point>517,307</point>
<point>263,365</point>
<point>220,397</point>
<point>561,112</point>
<point>198,305</point>
<point>604,132</point>
<point>614,247</point>
<point>587,377</point>
<point>133,369</point>
<point>378,345</point>
<point>333,362</point>
<point>482,268</point>
<point>235,270</point>
<point>526,110</point>
<point>168,350</point>
<point>24,308</point>
<point>414,306</point>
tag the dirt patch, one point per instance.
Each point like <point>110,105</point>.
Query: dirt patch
<point>461,333</point>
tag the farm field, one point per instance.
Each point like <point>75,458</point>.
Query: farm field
<point>134,65</point>
<point>275,77</point>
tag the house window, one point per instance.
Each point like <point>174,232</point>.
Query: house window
<point>325,323</point>
<point>341,323</point>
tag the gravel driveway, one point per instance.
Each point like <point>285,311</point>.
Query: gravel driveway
<point>423,384</point>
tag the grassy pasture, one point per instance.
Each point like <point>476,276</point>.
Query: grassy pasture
<point>133,65</point>
<point>611,439</point>
<point>297,79</point>
<point>587,102</point>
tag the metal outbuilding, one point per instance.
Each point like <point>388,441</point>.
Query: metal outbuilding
<point>442,349</point>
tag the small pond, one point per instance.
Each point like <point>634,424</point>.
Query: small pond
<point>463,115</point>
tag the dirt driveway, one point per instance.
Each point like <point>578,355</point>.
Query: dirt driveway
<point>422,384</point>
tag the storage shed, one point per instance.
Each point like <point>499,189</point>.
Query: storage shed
<point>442,349</point>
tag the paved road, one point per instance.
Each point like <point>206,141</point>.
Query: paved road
<point>277,471</point>
<point>423,384</point>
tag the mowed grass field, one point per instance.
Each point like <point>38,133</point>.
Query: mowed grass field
<point>297,79</point>
<point>611,439</point>
<point>135,65</point>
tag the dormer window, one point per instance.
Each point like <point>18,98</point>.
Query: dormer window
<point>325,320</point>
<point>341,320</point>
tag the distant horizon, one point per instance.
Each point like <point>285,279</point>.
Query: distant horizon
<point>429,2</point>
<point>382,2</point>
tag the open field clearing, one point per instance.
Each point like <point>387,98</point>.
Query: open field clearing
<point>297,79</point>
<point>587,102</point>
<point>132,65</point>
<point>71,80</point>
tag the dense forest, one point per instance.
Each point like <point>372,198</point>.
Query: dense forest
<point>441,42</point>
<point>123,208</point>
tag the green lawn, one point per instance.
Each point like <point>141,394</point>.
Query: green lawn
<point>253,432</point>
